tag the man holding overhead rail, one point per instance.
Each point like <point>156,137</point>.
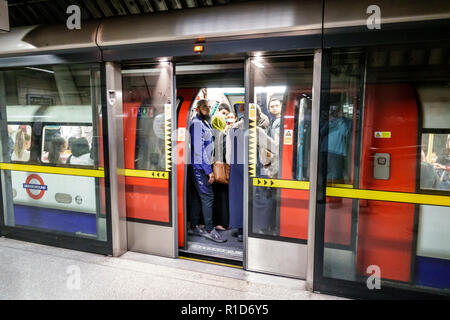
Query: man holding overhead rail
<point>201,174</point>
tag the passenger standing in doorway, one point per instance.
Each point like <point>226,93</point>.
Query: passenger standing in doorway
<point>201,174</point>
<point>264,198</point>
<point>275,111</point>
<point>235,158</point>
<point>221,205</point>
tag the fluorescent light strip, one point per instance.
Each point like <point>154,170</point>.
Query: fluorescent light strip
<point>39,69</point>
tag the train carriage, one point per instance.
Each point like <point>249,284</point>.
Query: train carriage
<point>359,178</point>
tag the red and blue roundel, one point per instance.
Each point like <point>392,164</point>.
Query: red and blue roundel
<point>35,186</point>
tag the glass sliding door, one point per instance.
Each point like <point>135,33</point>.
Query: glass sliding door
<point>52,169</point>
<point>384,164</point>
<point>148,107</point>
<point>279,122</point>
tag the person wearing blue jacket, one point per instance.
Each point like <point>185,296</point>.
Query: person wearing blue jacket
<point>335,143</point>
<point>201,173</point>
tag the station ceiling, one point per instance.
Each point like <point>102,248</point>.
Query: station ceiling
<point>31,12</point>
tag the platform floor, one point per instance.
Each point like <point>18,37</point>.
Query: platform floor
<point>32,271</point>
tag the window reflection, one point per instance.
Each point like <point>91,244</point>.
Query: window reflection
<point>67,145</point>
<point>435,162</point>
<point>19,142</point>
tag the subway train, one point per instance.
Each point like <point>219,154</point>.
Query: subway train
<point>362,145</point>
<point>50,201</point>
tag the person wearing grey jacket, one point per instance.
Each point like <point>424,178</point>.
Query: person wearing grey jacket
<point>263,214</point>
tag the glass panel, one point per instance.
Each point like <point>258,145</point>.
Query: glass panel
<point>282,90</point>
<point>397,142</point>
<point>147,94</point>
<point>338,134</point>
<point>52,116</point>
<point>435,162</point>
<point>435,102</point>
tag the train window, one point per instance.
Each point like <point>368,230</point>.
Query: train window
<point>19,142</point>
<point>70,145</point>
<point>146,100</point>
<point>435,161</point>
<point>150,137</point>
<point>435,153</point>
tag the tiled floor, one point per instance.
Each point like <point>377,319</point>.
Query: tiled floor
<point>32,271</point>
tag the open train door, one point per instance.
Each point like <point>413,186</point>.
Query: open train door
<point>279,118</point>
<point>148,118</point>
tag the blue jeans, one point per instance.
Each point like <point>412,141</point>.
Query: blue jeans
<point>202,198</point>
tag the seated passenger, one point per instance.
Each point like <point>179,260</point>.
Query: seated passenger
<point>57,147</point>
<point>21,146</point>
<point>69,145</point>
<point>81,154</point>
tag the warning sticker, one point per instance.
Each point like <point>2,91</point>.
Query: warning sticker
<point>168,111</point>
<point>181,134</point>
<point>252,111</point>
<point>382,134</point>
<point>288,136</point>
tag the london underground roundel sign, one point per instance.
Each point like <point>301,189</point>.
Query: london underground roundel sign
<point>35,186</point>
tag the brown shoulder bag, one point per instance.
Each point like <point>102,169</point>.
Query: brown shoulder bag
<point>221,172</point>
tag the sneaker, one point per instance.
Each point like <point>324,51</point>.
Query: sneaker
<point>197,231</point>
<point>213,235</point>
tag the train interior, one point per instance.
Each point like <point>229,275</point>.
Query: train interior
<point>220,84</point>
<point>282,97</point>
